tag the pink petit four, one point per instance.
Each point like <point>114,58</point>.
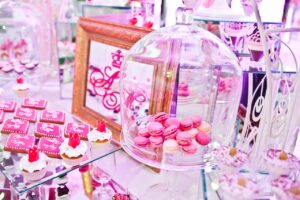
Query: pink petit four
<point>48,130</point>
<point>8,106</point>
<point>50,146</point>
<point>19,143</point>
<point>38,104</point>
<point>203,138</point>
<point>141,141</point>
<point>186,124</point>
<point>19,69</point>
<point>26,114</point>
<point>184,138</point>
<point>81,129</point>
<point>1,116</point>
<point>15,126</point>
<point>155,128</point>
<point>56,117</point>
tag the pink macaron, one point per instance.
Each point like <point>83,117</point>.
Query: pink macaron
<point>183,86</point>
<point>170,132</point>
<point>141,141</point>
<point>156,141</point>
<point>183,93</point>
<point>186,124</point>
<point>191,149</point>
<point>184,138</point>
<point>197,120</point>
<point>172,121</point>
<point>144,132</point>
<point>202,138</point>
<point>161,117</point>
<point>155,128</point>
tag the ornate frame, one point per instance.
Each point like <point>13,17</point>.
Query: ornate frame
<point>114,34</point>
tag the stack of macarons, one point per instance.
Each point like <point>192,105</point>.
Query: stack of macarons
<point>183,90</point>
<point>188,133</point>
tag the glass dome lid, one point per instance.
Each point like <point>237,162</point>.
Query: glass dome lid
<point>180,91</point>
<point>24,40</point>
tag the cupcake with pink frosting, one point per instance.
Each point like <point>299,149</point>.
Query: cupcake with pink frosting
<point>72,150</point>
<point>234,186</point>
<point>21,88</point>
<point>285,188</point>
<point>229,159</point>
<point>281,163</point>
<point>34,165</point>
<point>100,137</point>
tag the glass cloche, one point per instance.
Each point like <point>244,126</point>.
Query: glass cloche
<point>180,91</point>
<point>25,40</point>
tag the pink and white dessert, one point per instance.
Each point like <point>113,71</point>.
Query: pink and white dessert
<point>281,163</point>
<point>285,188</point>
<point>100,137</point>
<point>1,116</point>
<point>72,150</point>
<point>26,114</point>
<point>51,116</point>
<point>8,106</point>
<point>15,126</point>
<point>21,88</point>
<point>81,129</point>
<point>234,186</point>
<point>19,143</point>
<point>47,130</point>
<point>34,165</point>
<point>38,104</point>
<point>229,159</point>
<point>183,90</point>
<point>50,146</point>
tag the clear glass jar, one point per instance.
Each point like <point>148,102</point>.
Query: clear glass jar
<point>23,38</point>
<point>183,71</point>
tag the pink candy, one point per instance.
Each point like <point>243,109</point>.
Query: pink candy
<point>141,141</point>
<point>155,128</point>
<point>170,132</point>
<point>197,120</point>
<point>202,138</point>
<point>186,124</point>
<point>156,141</point>
<point>172,121</point>
<point>184,138</point>
<point>191,149</point>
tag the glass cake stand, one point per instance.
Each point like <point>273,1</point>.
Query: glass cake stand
<point>10,167</point>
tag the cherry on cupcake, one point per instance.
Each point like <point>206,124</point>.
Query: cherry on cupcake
<point>101,127</point>
<point>33,154</point>
<point>20,80</point>
<point>74,140</point>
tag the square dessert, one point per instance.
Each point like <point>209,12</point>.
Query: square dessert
<point>50,116</point>
<point>50,146</point>
<point>26,114</point>
<point>48,130</point>
<point>1,116</point>
<point>19,143</point>
<point>38,104</point>
<point>81,129</point>
<point>15,126</point>
<point>8,106</point>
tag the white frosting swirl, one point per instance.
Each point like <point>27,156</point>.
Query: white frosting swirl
<point>22,86</point>
<point>96,135</point>
<point>80,150</point>
<point>40,164</point>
